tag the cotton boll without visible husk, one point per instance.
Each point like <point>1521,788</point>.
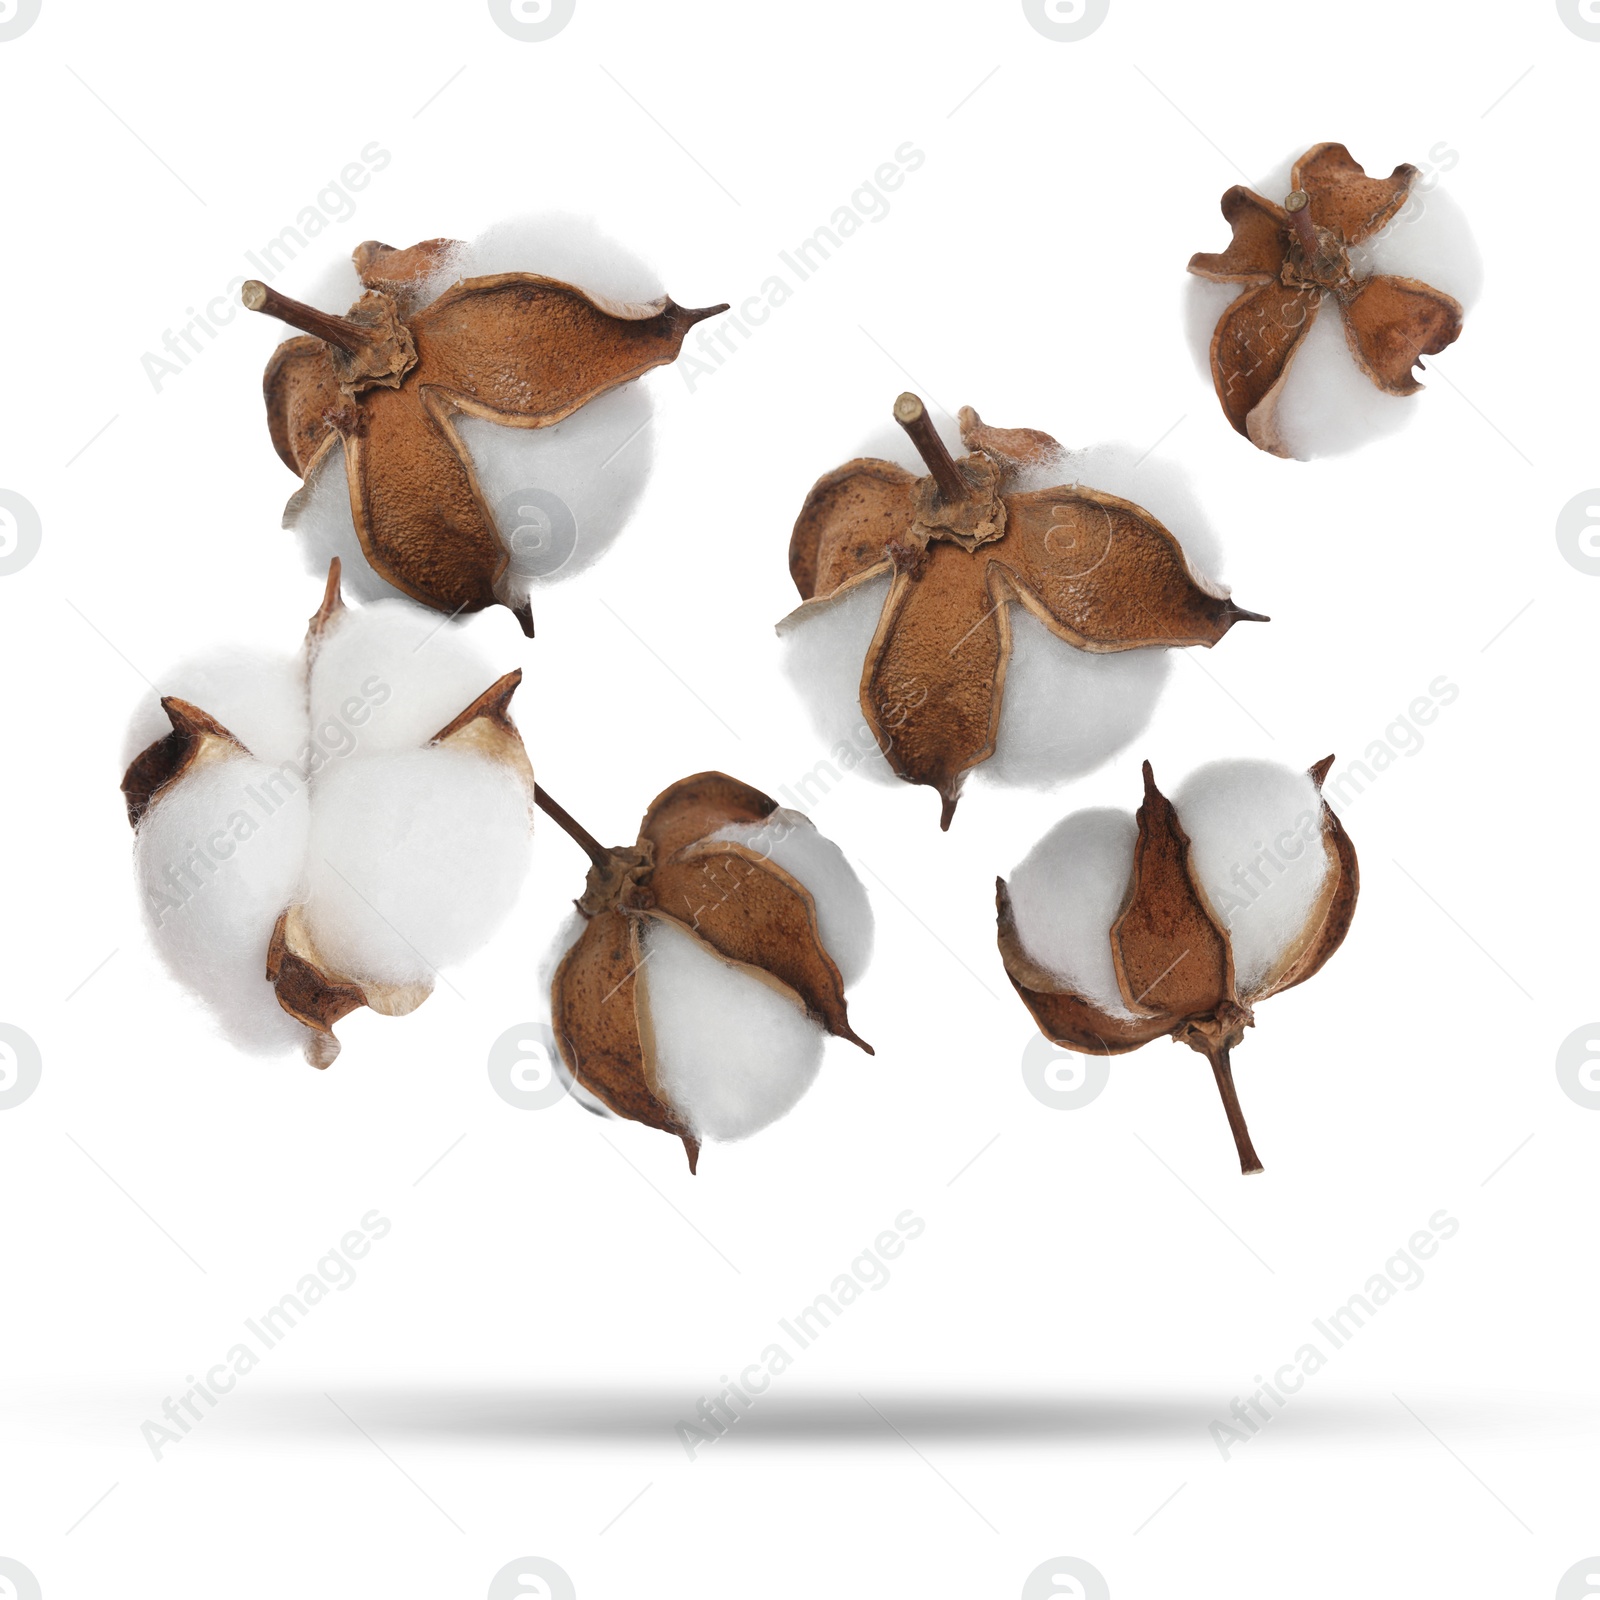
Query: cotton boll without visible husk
<point>732,1052</point>
<point>1255,847</point>
<point>257,695</point>
<point>1327,405</point>
<point>416,856</point>
<point>1066,893</point>
<point>791,841</point>
<point>215,941</point>
<point>407,673</point>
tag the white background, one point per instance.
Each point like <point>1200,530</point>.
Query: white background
<point>1093,1287</point>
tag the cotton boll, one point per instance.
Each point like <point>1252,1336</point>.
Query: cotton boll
<point>1327,405</point>
<point>1065,895</point>
<point>824,651</point>
<point>319,516</point>
<point>732,1053</point>
<point>415,858</point>
<point>215,868</point>
<point>561,495</point>
<point>791,841</point>
<point>390,676</point>
<point>259,696</point>
<point>1255,846</point>
<point>581,477</point>
<point>1067,711</point>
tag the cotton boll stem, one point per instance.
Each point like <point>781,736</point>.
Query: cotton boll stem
<point>1222,1071</point>
<point>349,336</point>
<point>574,829</point>
<point>1298,205</point>
<point>913,416</point>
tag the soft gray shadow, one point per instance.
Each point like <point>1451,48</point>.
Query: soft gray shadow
<point>641,1414</point>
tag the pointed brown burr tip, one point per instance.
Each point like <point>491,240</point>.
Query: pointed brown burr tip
<point>1321,770</point>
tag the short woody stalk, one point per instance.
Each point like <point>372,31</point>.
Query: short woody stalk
<point>1298,205</point>
<point>574,829</point>
<point>348,336</point>
<point>913,416</point>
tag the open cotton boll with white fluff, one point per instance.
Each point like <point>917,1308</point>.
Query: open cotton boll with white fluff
<point>1066,701</point>
<point>473,426</point>
<point>1326,404</point>
<point>709,963</point>
<point>325,831</point>
<point>1117,929</point>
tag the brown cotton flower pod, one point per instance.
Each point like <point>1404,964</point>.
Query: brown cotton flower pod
<point>963,545</point>
<point>385,382</point>
<point>1174,959</point>
<point>735,902</point>
<point>1294,257</point>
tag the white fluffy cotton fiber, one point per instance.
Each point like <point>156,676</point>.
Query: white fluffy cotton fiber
<point>1256,849</point>
<point>404,856</point>
<point>1255,843</point>
<point>732,1052</point>
<point>1328,406</point>
<point>559,495</point>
